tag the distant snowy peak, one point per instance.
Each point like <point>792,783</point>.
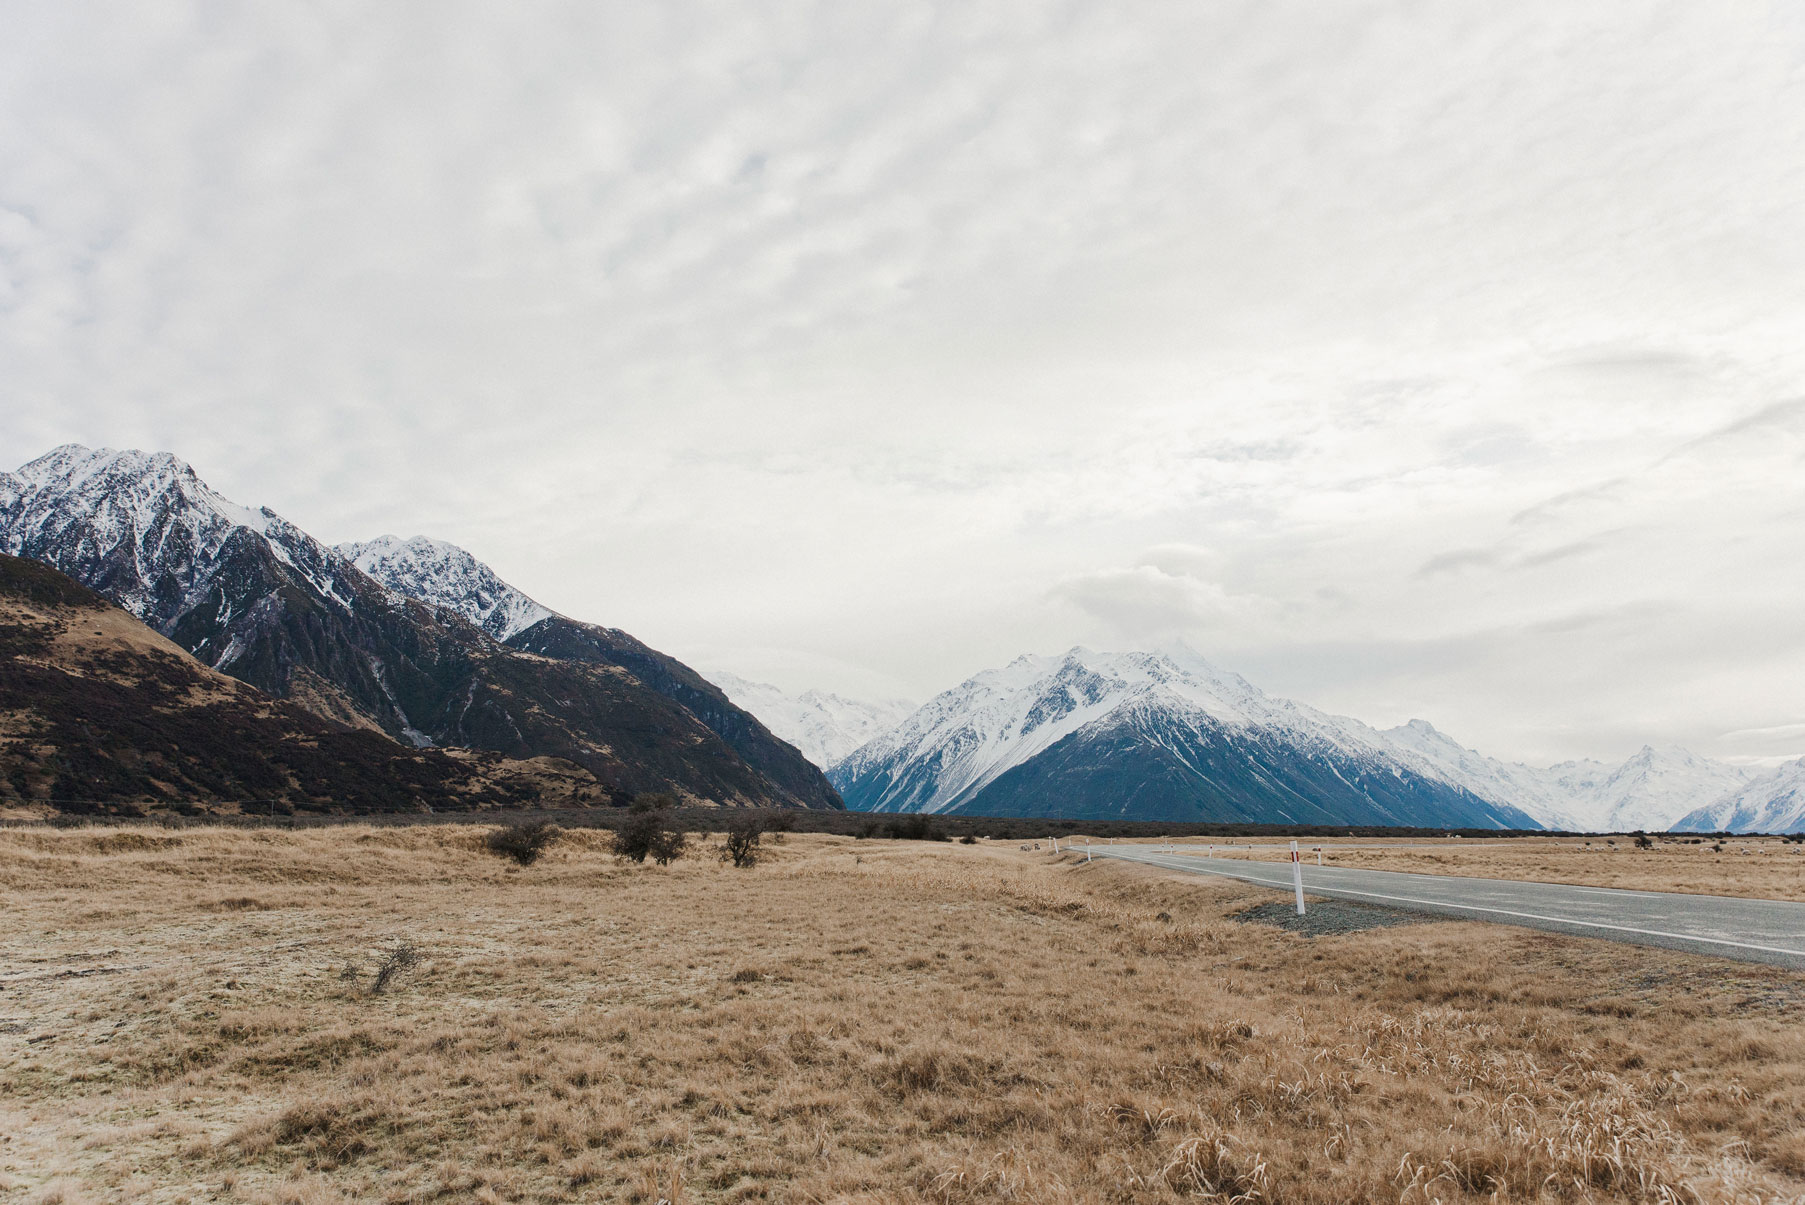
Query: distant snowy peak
<point>145,525</point>
<point>1774,802</point>
<point>1656,787</point>
<point>1649,791</point>
<point>1532,790</point>
<point>1122,726</point>
<point>824,727</point>
<point>444,575</point>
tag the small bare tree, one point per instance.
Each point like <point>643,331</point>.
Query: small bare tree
<point>743,834</point>
<point>522,842</point>
<point>643,833</point>
<point>404,956</point>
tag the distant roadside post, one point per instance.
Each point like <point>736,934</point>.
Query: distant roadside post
<point>1297,876</point>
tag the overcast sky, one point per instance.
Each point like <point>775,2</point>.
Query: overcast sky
<point>1440,360</point>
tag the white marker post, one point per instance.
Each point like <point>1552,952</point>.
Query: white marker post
<point>1297,876</point>
<point>1319,855</point>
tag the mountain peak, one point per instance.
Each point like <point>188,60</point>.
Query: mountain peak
<point>823,726</point>
<point>444,575</point>
<point>1145,735</point>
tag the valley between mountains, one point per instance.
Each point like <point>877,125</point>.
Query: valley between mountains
<point>444,686</point>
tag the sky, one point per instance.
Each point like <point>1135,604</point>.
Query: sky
<point>1440,360</point>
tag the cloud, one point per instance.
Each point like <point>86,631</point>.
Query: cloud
<point>894,340</point>
<point>1146,604</point>
<point>1460,558</point>
<point>1776,416</point>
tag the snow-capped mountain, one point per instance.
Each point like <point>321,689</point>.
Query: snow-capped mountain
<point>447,576</point>
<point>1774,802</point>
<point>1148,736</point>
<point>249,593</point>
<point>1656,787</point>
<point>1539,792</point>
<point>143,529</point>
<point>824,726</point>
<point>1649,791</point>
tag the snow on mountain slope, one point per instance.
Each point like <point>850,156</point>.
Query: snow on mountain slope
<point>825,727</point>
<point>1649,791</point>
<point>1205,734</point>
<point>145,527</point>
<point>1544,794</point>
<point>1657,787</point>
<point>445,575</point>
<point>1771,803</point>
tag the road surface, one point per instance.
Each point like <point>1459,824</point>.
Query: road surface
<point>1771,931</point>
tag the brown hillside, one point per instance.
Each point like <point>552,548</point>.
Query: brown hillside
<point>100,714</point>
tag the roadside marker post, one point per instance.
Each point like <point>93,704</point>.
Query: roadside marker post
<point>1319,855</point>
<point>1297,876</point>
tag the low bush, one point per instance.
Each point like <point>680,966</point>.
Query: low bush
<point>644,833</point>
<point>403,956</point>
<point>522,842</point>
<point>741,844</point>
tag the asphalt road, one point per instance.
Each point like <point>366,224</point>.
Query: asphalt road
<point>1771,931</point>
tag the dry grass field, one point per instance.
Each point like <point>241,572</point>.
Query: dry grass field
<point>1759,867</point>
<point>190,1016</point>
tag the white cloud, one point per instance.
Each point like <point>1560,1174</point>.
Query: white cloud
<point>869,340</point>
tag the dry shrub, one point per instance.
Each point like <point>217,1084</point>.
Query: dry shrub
<point>401,957</point>
<point>328,1132</point>
<point>130,841</point>
<point>660,1184</point>
<point>61,1192</point>
<point>643,834</point>
<point>1008,1175</point>
<point>928,1069</point>
<point>1207,1166</point>
<point>524,843</point>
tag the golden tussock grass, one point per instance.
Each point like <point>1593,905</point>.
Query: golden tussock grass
<point>1759,867</point>
<point>190,1017</point>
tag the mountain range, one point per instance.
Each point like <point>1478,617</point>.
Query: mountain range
<point>825,726</point>
<point>427,645</point>
<point>1650,791</point>
<point>1774,802</point>
<point>103,715</point>
<point>1143,736</point>
<point>1080,724</point>
<point>416,645</point>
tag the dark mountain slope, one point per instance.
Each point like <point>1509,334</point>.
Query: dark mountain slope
<point>776,759</point>
<point>1149,736</point>
<point>99,714</point>
<point>257,598</point>
<point>445,576</point>
<point>1151,764</point>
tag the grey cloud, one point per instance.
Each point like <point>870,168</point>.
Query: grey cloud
<point>1461,558</point>
<point>1146,604</point>
<point>1568,500</point>
<point>1777,416</point>
<point>847,334</point>
<point>1549,556</point>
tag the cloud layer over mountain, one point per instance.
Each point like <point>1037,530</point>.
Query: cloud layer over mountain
<point>1439,361</point>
